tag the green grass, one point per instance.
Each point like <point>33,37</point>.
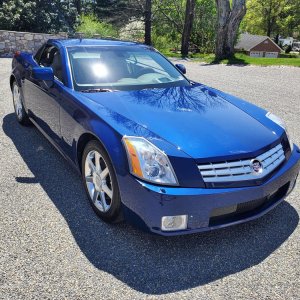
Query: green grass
<point>169,53</point>
<point>243,59</point>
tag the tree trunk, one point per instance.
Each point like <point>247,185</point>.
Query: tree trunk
<point>187,29</point>
<point>276,40</point>
<point>229,19</point>
<point>269,28</point>
<point>78,6</point>
<point>148,16</point>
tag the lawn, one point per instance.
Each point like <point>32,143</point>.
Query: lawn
<point>243,59</point>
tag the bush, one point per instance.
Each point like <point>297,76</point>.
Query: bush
<point>89,25</point>
<point>38,16</point>
<point>163,42</point>
<point>134,31</point>
<point>288,49</point>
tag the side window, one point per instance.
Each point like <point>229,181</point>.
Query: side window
<point>57,66</point>
<point>51,58</point>
<point>38,54</point>
<point>45,59</point>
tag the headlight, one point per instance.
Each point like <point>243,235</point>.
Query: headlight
<point>281,123</point>
<point>146,161</point>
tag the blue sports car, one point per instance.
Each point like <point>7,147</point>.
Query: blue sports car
<point>167,154</point>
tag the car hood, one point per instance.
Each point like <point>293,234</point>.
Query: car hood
<point>195,119</point>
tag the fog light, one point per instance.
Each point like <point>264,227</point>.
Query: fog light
<point>172,223</point>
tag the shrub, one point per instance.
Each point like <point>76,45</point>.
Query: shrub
<point>89,25</point>
<point>134,31</point>
<point>288,49</point>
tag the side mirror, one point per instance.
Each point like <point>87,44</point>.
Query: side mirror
<point>181,68</point>
<point>42,74</point>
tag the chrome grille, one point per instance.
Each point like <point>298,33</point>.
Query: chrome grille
<point>240,170</point>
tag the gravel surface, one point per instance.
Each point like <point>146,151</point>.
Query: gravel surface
<point>54,247</point>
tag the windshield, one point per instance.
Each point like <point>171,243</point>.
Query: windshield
<point>121,68</point>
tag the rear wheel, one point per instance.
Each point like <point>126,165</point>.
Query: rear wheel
<point>100,182</point>
<point>20,112</point>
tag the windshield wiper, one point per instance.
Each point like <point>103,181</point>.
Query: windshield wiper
<point>97,90</point>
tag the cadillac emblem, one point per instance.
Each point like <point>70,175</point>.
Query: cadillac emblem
<point>256,166</point>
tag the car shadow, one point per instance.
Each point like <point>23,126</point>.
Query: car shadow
<point>147,263</point>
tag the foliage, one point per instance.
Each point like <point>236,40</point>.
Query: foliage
<point>126,19</point>
<point>288,49</point>
<point>167,42</point>
<point>118,12</point>
<point>134,30</point>
<point>89,25</point>
<point>168,21</point>
<point>38,15</point>
<point>204,28</point>
<point>168,16</point>
<point>270,17</point>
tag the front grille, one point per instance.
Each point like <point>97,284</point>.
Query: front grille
<point>241,170</point>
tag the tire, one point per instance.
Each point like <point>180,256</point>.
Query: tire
<point>100,183</point>
<point>20,112</point>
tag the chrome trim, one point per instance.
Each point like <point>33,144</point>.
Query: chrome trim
<point>241,170</point>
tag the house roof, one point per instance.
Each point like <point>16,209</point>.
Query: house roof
<point>248,41</point>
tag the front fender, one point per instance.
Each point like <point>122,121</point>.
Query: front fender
<point>112,142</point>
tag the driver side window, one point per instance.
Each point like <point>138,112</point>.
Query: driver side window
<point>51,58</point>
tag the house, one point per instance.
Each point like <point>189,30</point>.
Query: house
<point>257,45</point>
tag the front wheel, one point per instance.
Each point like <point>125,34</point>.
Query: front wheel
<point>20,112</point>
<point>100,182</point>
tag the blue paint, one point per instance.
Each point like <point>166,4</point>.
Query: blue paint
<point>192,124</point>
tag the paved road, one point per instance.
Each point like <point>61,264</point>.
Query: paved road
<point>52,246</point>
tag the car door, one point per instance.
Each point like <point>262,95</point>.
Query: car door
<point>43,99</point>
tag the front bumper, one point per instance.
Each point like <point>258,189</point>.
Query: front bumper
<point>145,204</point>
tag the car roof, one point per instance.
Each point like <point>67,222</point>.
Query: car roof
<point>93,42</point>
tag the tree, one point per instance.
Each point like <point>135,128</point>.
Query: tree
<point>272,17</point>
<point>38,15</point>
<point>78,6</point>
<point>169,21</point>
<point>230,15</point>
<point>118,12</point>
<point>187,29</point>
<point>204,26</point>
<point>90,26</point>
<point>148,17</point>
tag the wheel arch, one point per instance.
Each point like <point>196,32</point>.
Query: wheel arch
<point>81,144</point>
<point>83,140</point>
<point>111,145</point>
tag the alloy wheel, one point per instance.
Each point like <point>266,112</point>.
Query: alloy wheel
<point>98,180</point>
<point>18,102</point>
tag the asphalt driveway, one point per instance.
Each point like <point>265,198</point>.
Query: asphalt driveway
<point>52,246</point>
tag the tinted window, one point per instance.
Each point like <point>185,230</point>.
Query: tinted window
<point>121,68</point>
<point>38,54</point>
<point>51,58</point>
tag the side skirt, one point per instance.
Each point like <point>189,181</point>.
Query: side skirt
<point>56,146</point>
